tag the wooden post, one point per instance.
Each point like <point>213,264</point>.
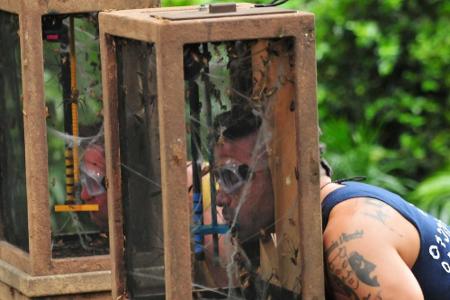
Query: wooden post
<point>307,132</point>
<point>35,130</point>
<point>176,216</point>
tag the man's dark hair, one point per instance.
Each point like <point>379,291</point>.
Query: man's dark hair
<point>323,162</point>
<point>238,122</point>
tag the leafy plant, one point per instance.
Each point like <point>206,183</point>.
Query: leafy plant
<point>433,194</point>
<point>354,151</point>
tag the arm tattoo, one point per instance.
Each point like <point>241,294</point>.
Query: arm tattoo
<point>348,273</point>
<point>340,287</point>
<point>343,239</point>
<point>363,268</point>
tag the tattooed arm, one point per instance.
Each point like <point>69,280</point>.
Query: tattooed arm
<point>362,255</point>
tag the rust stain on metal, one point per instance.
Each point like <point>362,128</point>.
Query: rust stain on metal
<point>177,151</point>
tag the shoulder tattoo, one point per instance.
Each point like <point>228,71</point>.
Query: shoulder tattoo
<point>379,211</point>
<point>376,209</point>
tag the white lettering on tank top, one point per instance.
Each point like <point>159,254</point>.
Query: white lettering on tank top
<point>440,250</point>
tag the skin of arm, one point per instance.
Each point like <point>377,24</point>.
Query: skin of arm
<point>369,250</point>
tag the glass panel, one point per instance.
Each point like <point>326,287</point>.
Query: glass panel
<point>240,120</point>
<point>238,97</point>
<point>141,170</point>
<point>75,135</point>
<point>13,192</point>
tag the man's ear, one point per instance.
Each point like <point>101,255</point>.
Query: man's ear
<point>325,168</point>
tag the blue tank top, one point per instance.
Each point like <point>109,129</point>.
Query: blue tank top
<point>432,267</point>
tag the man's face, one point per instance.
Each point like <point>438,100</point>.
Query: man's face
<point>254,192</point>
<point>92,184</point>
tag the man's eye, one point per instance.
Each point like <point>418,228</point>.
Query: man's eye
<point>244,171</point>
<point>229,177</point>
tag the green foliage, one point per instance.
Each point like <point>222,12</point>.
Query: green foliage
<point>383,73</point>
<point>385,65</point>
<point>353,151</point>
<point>433,194</point>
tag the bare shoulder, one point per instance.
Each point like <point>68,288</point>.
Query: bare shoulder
<point>364,257</point>
<point>383,221</point>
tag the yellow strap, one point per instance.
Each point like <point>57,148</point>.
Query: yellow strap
<point>206,191</point>
<point>76,207</point>
<point>74,102</point>
<point>69,175</point>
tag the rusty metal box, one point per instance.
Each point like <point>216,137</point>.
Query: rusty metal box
<point>28,262</point>
<point>170,76</point>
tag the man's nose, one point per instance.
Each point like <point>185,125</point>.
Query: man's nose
<point>223,199</point>
<point>84,193</point>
